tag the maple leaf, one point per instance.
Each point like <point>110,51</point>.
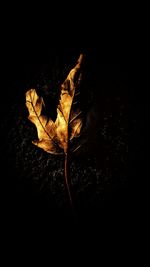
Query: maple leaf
<point>56,136</point>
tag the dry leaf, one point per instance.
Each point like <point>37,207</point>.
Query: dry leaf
<point>55,137</point>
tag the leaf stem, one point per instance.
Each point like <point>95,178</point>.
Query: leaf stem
<point>67,176</point>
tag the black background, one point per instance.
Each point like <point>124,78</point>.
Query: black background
<point>112,90</point>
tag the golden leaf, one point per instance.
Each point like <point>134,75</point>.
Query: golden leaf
<point>53,137</point>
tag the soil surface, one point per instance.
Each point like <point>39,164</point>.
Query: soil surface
<point>99,181</point>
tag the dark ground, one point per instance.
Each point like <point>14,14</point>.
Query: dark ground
<point>101,176</point>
